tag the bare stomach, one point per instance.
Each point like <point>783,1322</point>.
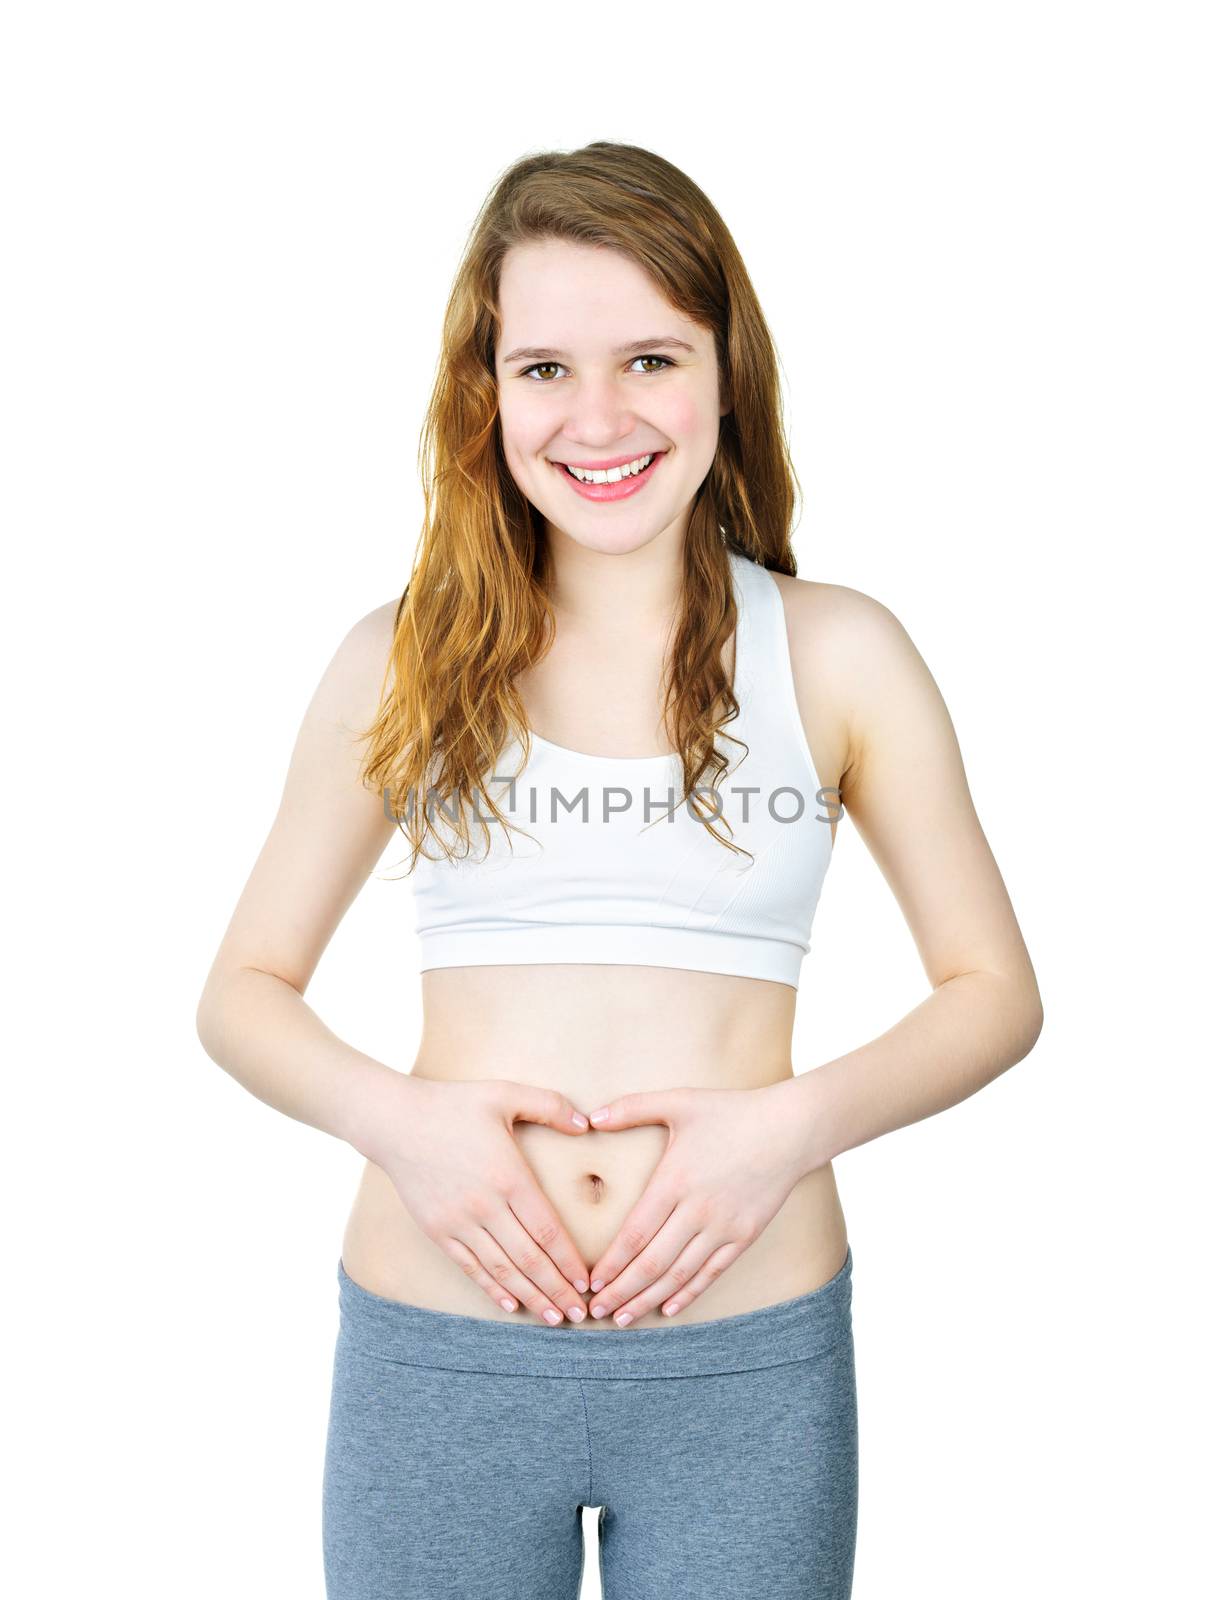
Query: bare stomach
<point>596,1032</point>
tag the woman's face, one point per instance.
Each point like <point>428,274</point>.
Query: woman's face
<point>570,391</point>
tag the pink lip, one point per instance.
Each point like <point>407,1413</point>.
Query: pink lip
<point>623,489</point>
<point>604,466</point>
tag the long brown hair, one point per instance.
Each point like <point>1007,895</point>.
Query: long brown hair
<point>475,612</point>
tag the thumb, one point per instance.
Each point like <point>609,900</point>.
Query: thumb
<point>635,1110</point>
<point>528,1103</point>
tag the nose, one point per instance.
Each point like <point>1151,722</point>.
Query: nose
<point>599,415</point>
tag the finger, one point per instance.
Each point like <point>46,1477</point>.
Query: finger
<point>634,1111</point>
<point>656,1257</point>
<point>552,1289</point>
<point>670,1289</point>
<point>504,1271</point>
<point>483,1259</point>
<point>524,1102</point>
<point>530,1207</point>
<point>643,1222</point>
<point>501,1286</point>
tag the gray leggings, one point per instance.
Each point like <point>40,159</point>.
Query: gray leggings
<point>723,1454</point>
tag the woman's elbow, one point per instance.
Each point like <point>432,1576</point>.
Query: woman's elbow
<point>1032,1019</point>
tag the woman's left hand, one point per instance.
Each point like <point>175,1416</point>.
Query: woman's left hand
<point>734,1156</point>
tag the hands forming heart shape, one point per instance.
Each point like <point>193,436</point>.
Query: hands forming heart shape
<point>733,1157</point>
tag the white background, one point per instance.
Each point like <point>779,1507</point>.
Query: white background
<point>983,237</point>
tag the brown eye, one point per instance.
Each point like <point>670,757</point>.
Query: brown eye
<point>540,366</point>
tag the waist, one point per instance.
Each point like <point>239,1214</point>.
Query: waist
<point>594,1033</point>
<point>386,1253</point>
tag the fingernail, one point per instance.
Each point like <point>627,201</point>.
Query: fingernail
<point>576,1313</point>
<point>551,1316</point>
<point>580,1120</point>
<point>581,1284</point>
<point>598,1285</point>
<point>598,1311</point>
<point>600,1116</point>
<point>507,1305</point>
<point>671,1310</point>
<point>623,1318</point>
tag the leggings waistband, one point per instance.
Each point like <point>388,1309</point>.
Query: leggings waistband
<point>791,1330</point>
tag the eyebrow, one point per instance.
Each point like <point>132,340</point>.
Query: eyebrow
<point>636,348</point>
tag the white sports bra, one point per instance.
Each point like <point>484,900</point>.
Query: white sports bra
<point>610,869</point>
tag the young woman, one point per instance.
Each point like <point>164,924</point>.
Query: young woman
<point>616,729</point>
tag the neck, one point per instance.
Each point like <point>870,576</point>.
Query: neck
<point>600,591</point>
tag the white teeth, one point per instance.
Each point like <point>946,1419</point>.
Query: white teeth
<point>615,474</point>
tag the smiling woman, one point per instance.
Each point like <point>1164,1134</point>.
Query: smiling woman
<point>615,729</point>
<point>668,386</point>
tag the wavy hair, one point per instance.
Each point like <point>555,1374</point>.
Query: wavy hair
<point>475,612</point>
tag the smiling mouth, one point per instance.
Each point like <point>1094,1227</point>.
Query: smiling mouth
<point>607,487</point>
<point>649,459</point>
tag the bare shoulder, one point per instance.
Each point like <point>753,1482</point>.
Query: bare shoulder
<point>830,618</point>
<point>343,707</point>
<point>330,828</point>
<point>852,657</point>
<point>376,627</point>
<point>349,690</point>
<point>364,651</point>
<point>847,650</point>
<point>846,637</point>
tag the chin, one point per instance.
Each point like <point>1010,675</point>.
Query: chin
<point>610,541</point>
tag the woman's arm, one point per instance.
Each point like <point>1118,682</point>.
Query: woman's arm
<point>906,791</point>
<point>734,1156</point>
<point>252,1017</point>
<point>448,1149</point>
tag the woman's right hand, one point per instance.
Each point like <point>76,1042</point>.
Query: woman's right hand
<point>448,1148</point>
